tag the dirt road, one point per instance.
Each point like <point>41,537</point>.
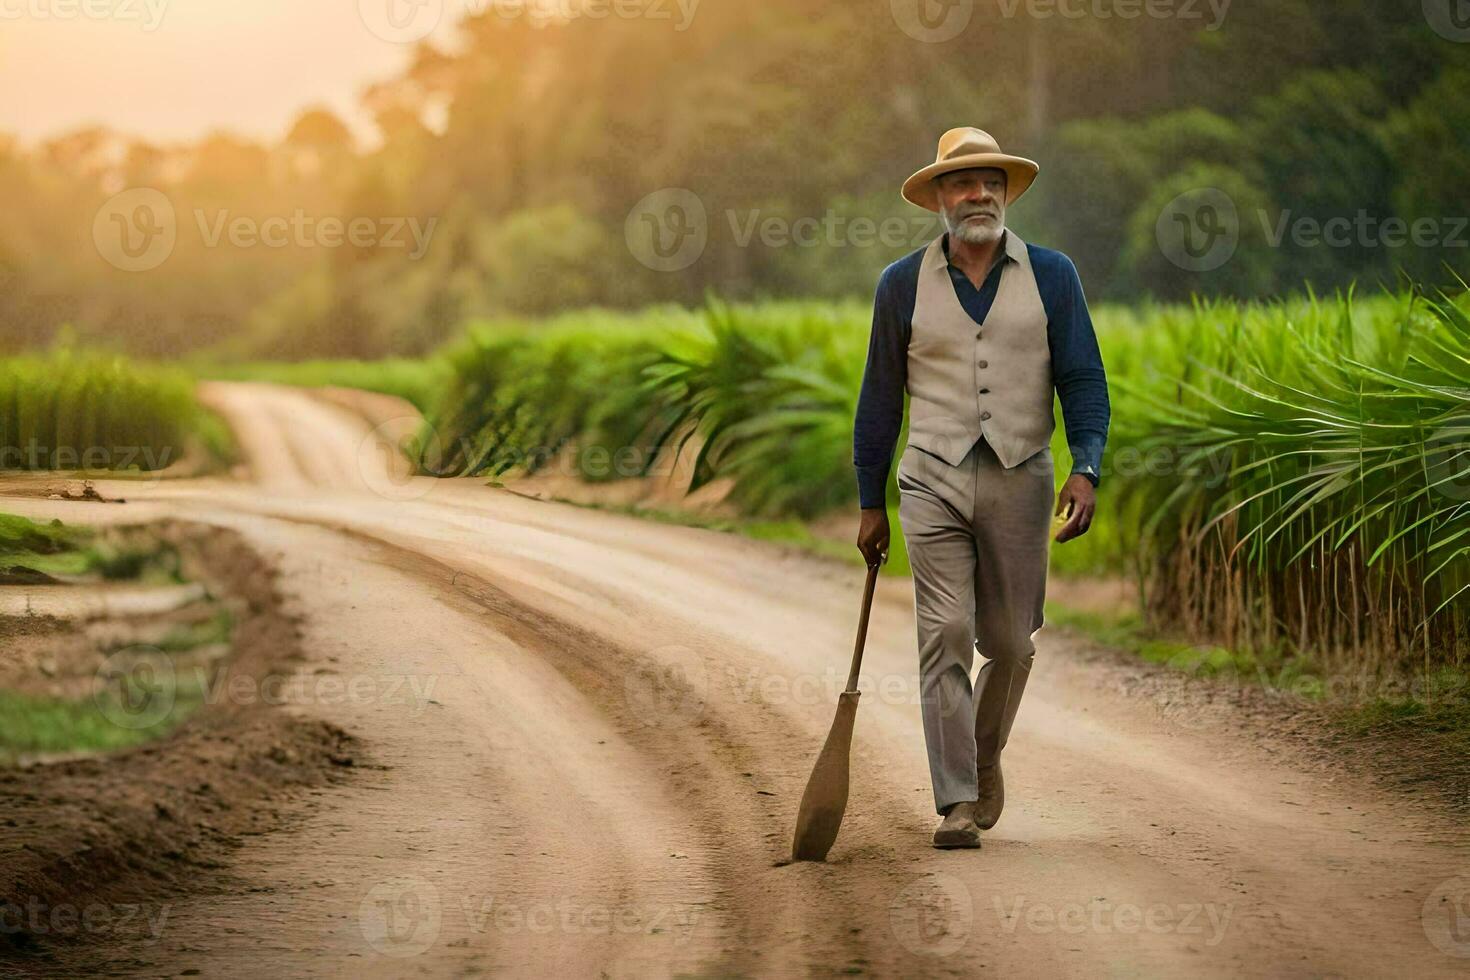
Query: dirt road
<point>589,734</point>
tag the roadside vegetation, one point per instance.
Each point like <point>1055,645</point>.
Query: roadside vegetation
<point>1312,483</point>
<point>71,686</point>
<point>1290,474</point>
<point>94,412</point>
<point>32,552</point>
<point>1289,481</point>
<point>1422,718</point>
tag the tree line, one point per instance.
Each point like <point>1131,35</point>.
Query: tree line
<point>1247,149</point>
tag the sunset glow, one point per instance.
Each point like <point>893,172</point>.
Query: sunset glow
<point>177,69</point>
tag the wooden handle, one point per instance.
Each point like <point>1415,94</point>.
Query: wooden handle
<point>862,634</point>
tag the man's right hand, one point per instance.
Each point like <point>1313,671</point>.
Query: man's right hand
<point>873,535</point>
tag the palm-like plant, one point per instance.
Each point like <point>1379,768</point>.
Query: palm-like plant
<point>765,401</point>
<point>1345,443</point>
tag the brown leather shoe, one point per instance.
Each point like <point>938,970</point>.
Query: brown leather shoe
<point>992,796</point>
<point>958,828</point>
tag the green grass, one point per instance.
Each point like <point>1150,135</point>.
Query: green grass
<point>62,551</point>
<point>88,411</point>
<point>1446,721</point>
<point>1126,631</point>
<point>1431,709</point>
<point>32,724</point>
<point>46,725</point>
<point>18,534</point>
<point>1416,696</point>
<point>42,725</point>
<point>217,629</point>
<point>1293,473</point>
<point>51,549</point>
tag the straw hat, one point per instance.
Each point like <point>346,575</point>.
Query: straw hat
<point>961,149</point>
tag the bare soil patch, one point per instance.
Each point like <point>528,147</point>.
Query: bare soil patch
<point>103,845</point>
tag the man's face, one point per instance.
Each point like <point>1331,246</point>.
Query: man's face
<point>973,204</point>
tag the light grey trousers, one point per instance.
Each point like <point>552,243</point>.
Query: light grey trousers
<point>977,536</point>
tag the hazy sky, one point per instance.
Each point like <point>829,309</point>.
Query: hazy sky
<point>175,69</point>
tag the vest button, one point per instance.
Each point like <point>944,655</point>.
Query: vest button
<point>980,335</point>
<point>984,416</point>
<point>984,391</point>
<point>985,364</point>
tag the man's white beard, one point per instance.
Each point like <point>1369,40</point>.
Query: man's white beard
<point>974,234</point>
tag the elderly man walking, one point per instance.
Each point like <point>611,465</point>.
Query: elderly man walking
<point>980,329</point>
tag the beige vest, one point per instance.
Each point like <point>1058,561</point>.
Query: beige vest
<point>966,380</point>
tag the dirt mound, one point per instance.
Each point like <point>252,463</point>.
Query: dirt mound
<point>103,844</point>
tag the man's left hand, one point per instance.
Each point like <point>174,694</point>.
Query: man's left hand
<point>1077,500</point>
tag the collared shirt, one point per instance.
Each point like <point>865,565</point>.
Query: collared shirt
<point>1076,362</point>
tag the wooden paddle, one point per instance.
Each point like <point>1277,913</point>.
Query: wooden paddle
<point>825,799</point>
